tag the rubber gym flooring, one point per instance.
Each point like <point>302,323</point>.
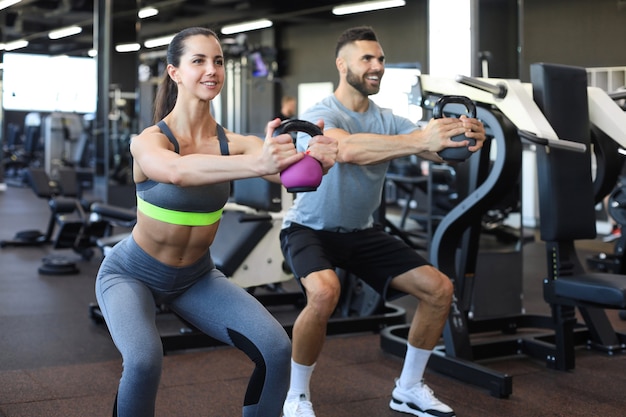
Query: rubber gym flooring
<point>55,361</point>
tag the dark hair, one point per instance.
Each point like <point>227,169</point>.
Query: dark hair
<point>360,33</point>
<point>168,90</point>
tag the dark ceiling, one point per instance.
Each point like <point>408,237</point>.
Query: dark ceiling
<point>33,19</point>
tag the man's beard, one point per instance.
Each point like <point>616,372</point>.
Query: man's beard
<point>360,85</point>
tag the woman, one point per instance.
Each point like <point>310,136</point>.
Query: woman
<point>182,168</point>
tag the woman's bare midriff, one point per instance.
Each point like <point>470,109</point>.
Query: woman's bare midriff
<point>172,244</point>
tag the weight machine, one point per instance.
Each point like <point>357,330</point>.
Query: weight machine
<point>616,204</point>
<point>61,133</point>
<point>509,112</point>
<point>22,150</point>
<point>69,218</point>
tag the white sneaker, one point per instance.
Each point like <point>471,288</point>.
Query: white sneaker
<point>298,407</point>
<point>418,400</point>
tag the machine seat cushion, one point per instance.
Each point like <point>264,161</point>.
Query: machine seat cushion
<point>238,234</point>
<point>118,213</point>
<point>601,289</point>
<point>63,205</point>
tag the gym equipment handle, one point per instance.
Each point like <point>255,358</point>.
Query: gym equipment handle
<point>559,144</point>
<point>498,90</point>
<point>618,95</point>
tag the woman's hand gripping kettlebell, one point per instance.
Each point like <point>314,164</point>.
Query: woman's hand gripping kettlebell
<point>306,174</point>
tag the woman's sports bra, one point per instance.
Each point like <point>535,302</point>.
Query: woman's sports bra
<point>187,206</point>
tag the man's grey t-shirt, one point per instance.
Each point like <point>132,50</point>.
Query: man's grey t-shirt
<point>349,194</point>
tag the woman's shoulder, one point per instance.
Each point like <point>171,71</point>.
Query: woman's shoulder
<point>151,133</point>
<point>150,130</point>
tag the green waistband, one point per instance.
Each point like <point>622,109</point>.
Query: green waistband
<point>182,218</point>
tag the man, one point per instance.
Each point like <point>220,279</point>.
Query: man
<point>333,227</point>
<point>288,106</point>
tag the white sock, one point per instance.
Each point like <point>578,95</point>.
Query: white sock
<point>299,381</point>
<point>414,365</point>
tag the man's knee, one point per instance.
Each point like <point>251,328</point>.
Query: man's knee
<point>322,291</point>
<point>432,286</point>
<point>441,291</point>
<point>446,290</point>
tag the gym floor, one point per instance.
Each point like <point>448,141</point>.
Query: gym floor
<point>55,361</point>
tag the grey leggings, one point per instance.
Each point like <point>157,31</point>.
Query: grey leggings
<point>129,284</point>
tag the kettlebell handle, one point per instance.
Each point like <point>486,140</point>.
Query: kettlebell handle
<point>455,154</point>
<point>444,100</point>
<point>296,125</point>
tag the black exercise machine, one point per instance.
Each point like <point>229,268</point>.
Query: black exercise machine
<point>118,218</point>
<point>69,217</point>
<point>454,246</point>
<point>436,191</point>
<point>566,213</point>
<point>614,262</point>
<point>22,156</point>
<point>567,205</point>
<point>609,169</point>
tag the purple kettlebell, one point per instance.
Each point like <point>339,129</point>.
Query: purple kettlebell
<point>306,174</point>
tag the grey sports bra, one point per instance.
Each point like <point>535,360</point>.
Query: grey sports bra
<point>188,206</point>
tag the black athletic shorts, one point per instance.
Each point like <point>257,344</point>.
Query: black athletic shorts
<point>372,254</point>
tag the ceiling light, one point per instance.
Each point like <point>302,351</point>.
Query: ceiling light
<point>10,46</point>
<point>367,6</point>
<point>147,12</point>
<point>62,33</point>
<point>127,47</point>
<point>8,3</point>
<point>160,41</point>
<point>246,26</point>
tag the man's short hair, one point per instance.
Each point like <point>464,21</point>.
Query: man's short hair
<point>360,33</point>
